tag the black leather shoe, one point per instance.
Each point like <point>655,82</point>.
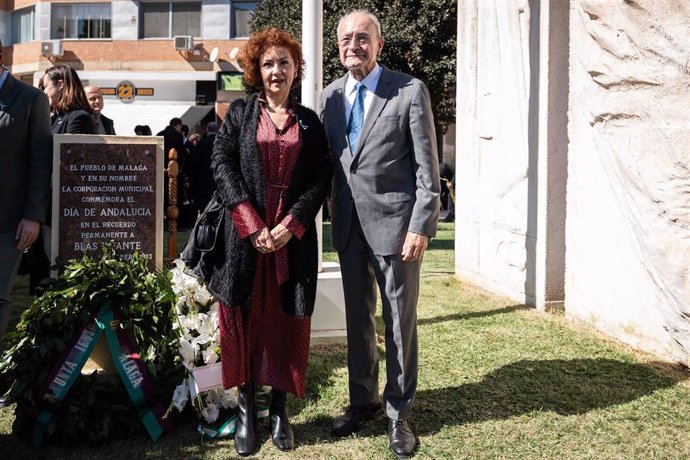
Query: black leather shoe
<point>355,418</point>
<point>401,438</point>
<point>245,433</point>
<point>281,431</point>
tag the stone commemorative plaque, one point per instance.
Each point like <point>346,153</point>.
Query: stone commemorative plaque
<point>107,188</point>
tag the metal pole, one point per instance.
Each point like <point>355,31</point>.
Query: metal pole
<point>312,50</point>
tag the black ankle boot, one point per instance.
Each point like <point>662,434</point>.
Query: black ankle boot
<point>281,431</point>
<point>245,433</point>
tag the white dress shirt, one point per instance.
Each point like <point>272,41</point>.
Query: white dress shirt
<point>370,82</point>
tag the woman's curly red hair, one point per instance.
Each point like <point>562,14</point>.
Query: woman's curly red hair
<point>258,44</point>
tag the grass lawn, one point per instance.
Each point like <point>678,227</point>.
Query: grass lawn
<point>497,380</point>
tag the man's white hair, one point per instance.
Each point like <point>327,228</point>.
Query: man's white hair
<point>371,15</point>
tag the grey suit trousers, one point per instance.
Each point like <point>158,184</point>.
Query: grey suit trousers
<point>10,257</point>
<point>398,283</point>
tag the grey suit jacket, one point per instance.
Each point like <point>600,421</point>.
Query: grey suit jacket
<point>392,178</point>
<point>26,153</point>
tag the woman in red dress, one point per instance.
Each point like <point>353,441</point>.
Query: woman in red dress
<point>272,168</point>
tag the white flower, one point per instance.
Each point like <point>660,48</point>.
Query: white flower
<point>202,296</point>
<point>200,344</point>
<point>191,322</point>
<point>212,397</point>
<point>179,277</point>
<point>210,413</point>
<point>189,301</point>
<point>180,306</point>
<point>197,325</point>
<point>187,352</point>
<point>206,331</point>
<point>189,283</point>
<point>179,398</point>
<point>177,270</point>
<point>229,399</point>
<point>179,325</point>
<point>207,325</point>
<point>209,355</point>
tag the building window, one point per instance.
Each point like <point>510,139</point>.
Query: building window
<point>23,25</point>
<point>241,15</point>
<point>80,20</point>
<point>167,19</point>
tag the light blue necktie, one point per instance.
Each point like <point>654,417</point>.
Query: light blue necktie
<point>354,125</point>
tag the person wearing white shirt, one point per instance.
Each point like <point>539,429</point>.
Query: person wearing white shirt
<point>384,209</point>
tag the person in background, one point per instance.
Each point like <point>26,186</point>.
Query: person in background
<point>192,141</point>
<point>172,139</point>
<point>187,209</point>
<point>272,168</point>
<point>447,173</point>
<point>184,130</point>
<point>26,161</point>
<point>142,130</point>
<point>104,125</point>
<point>70,110</point>
<point>70,114</point>
<point>201,180</point>
<point>25,168</point>
<point>384,209</point>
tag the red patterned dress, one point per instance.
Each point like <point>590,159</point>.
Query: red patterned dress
<point>265,345</point>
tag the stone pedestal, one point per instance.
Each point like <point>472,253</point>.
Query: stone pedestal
<point>101,360</point>
<point>328,320</point>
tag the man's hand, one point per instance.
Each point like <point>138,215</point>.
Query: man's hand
<point>280,235</point>
<point>27,232</point>
<point>262,240</point>
<point>414,247</point>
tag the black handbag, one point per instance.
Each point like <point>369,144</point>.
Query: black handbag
<point>204,235</point>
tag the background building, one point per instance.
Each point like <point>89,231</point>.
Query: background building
<point>154,59</point>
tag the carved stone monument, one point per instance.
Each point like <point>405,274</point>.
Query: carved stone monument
<point>572,138</point>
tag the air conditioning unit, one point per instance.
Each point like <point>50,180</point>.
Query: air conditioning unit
<point>184,42</point>
<point>51,48</point>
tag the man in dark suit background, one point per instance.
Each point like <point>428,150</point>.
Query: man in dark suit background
<point>200,175</point>
<point>25,168</point>
<point>173,139</point>
<point>384,209</point>
<point>104,125</point>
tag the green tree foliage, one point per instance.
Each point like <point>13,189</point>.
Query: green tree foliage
<point>420,39</point>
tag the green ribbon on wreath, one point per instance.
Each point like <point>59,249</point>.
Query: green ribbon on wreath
<point>129,366</point>
<point>228,428</point>
<point>134,375</point>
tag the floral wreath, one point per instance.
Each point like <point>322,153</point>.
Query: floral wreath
<point>199,347</point>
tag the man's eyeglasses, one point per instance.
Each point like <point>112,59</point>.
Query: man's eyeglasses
<point>360,39</point>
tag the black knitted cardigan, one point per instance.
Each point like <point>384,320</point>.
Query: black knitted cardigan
<point>237,170</point>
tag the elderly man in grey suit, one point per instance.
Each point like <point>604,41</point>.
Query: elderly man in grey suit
<point>385,207</point>
<point>25,168</point>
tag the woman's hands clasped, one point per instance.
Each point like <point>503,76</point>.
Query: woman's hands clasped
<point>262,240</point>
<point>281,236</point>
<point>266,241</point>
